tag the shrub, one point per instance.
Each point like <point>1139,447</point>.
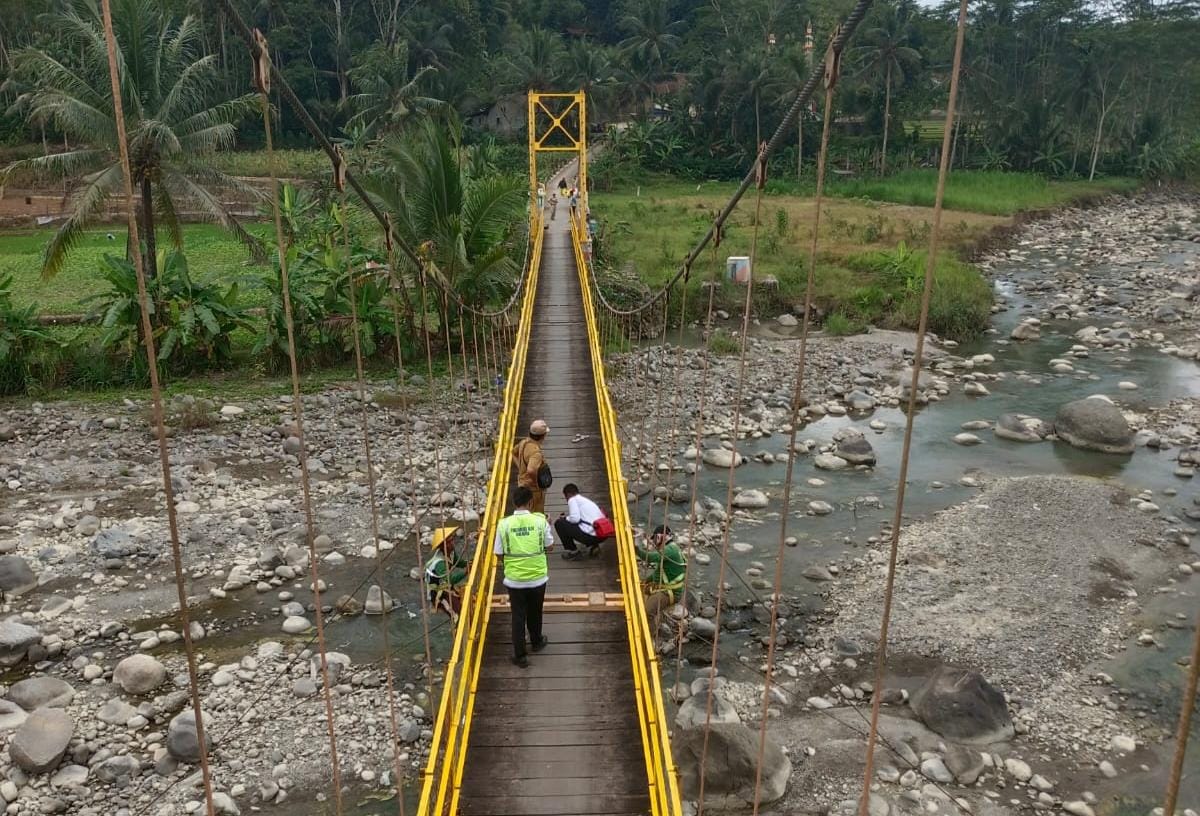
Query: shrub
<point>186,413</point>
<point>306,281</point>
<point>839,325</point>
<point>193,322</point>
<point>20,337</point>
<point>723,343</point>
<point>960,303</point>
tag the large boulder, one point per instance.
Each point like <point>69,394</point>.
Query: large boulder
<point>114,543</point>
<point>41,692</point>
<point>750,499</point>
<point>118,770</point>
<point>11,716</point>
<point>828,461</point>
<point>854,447</point>
<point>1021,428</point>
<point>378,601</point>
<point>961,705</point>
<point>183,743</point>
<point>40,743</point>
<point>139,674</point>
<point>16,576</point>
<point>694,711</point>
<point>15,640</point>
<point>730,766</point>
<point>1094,424</point>
<point>722,458</point>
<point>1029,329</point>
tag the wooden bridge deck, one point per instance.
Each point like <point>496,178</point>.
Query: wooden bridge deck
<point>561,737</point>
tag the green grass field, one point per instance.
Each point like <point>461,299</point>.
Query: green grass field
<point>978,191</point>
<point>650,227</point>
<point>213,254</point>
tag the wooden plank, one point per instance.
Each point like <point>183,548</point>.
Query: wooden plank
<point>618,649</point>
<point>603,734</point>
<point>571,721</point>
<point>573,805</point>
<point>596,765</point>
<point>572,781</point>
<point>548,701</point>
<point>560,738</point>
<point>503,688</point>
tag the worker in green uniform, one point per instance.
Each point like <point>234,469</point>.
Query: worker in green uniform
<point>446,571</point>
<point>663,584</point>
<point>522,541</point>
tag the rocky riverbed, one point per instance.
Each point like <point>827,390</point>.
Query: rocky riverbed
<point>1047,555</point>
<point>1052,594</point>
<point>93,703</point>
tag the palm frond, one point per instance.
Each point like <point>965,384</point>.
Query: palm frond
<point>215,209</point>
<point>85,203</point>
<point>59,164</point>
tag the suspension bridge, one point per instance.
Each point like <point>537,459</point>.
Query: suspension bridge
<point>584,729</point>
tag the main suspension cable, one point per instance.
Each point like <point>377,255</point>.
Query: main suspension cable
<point>797,398</point>
<point>733,463</point>
<point>262,79</point>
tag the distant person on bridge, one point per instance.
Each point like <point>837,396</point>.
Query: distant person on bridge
<point>553,207</point>
<point>668,566</point>
<point>541,197</point>
<point>532,471</point>
<point>562,187</point>
<point>574,203</point>
<point>522,541</point>
<point>579,525</point>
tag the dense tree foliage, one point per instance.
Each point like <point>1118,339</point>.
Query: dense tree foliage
<point>1058,86</point>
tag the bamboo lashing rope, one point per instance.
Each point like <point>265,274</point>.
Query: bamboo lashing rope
<point>262,81</point>
<point>699,438</point>
<point>797,398</point>
<point>918,359</point>
<point>156,406</point>
<point>733,463</point>
<point>1187,706</point>
<point>361,384</point>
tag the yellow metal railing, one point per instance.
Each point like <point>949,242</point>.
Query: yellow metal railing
<point>442,778</point>
<point>660,764</point>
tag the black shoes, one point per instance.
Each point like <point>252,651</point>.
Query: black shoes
<point>523,661</point>
<point>576,555</point>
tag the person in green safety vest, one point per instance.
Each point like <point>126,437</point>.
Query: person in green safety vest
<point>522,541</point>
<point>663,583</point>
<point>446,571</point>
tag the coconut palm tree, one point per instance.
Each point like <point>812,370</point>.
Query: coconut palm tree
<point>533,59</point>
<point>462,224</point>
<point>387,97</point>
<point>590,67</point>
<point>886,53</point>
<point>651,35</point>
<point>173,118</point>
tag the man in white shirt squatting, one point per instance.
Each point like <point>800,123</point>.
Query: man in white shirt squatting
<point>576,525</point>
<point>522,541</point>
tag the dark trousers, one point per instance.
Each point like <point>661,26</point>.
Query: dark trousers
<point>526,608</point>
<point>570,534</point>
